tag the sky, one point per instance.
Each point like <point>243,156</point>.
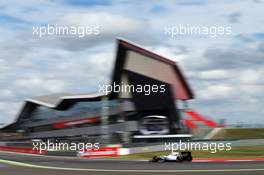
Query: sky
<point>225,72</point>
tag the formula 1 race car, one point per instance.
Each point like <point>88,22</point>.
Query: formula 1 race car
<point>173,157</point>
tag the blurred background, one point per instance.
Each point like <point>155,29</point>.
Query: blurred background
<point>223,72</point>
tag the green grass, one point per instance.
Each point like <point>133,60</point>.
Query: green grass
<point>235,152</point>
<point>240,133</point>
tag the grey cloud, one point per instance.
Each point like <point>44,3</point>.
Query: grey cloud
<point>232,58</point>
<point>245,38</point>
<point>235,17</point>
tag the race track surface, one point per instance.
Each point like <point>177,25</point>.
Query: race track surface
<point>18,164</point>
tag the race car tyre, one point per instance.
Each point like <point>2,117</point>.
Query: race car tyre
<point>179,159</point>
<point>189,159</point>
<point>154,159</point>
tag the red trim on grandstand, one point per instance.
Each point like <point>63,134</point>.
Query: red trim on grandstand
<point>190,124</point>
<point>66,124</point>
<point>28,150</point>
<point>101,152</point>
<point>198,118</point>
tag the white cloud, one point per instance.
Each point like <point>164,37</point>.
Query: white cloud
<point>6,94</point>
<point>216,92</point>
<point>214,74</point>
<point>109,23</point>
<point>8,116</point>
<point>250,76</point>
<point>35,82</point>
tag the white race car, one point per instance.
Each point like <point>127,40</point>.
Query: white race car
<point>173,157</point>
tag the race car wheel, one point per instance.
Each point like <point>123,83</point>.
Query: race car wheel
<point>189,159</point>
<point>179,159</point>
<point>154,159</point>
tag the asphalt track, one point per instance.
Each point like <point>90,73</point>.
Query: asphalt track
<point>19,164</point>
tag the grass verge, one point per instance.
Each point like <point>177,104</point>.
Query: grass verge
<point>240,133</point>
